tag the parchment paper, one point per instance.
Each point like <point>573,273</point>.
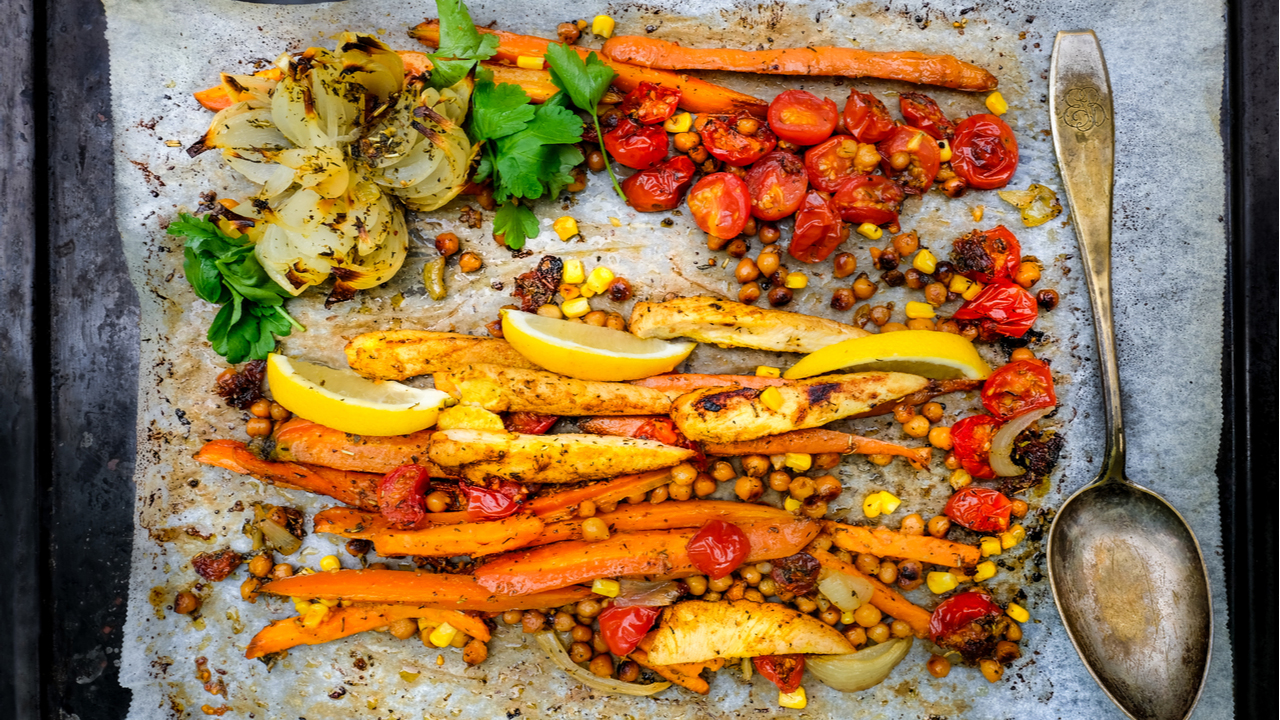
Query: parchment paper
<point>1166,62</point>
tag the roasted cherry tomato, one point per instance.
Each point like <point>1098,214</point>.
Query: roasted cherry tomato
<point>866,118</point>
<point>785,671</point>
<point>979,509</point>
<point>871,199</point>
<point>819,230</point>
<point>529,423</point>
<point>1010,308</point>
<point>725,143</point>
<point>921,156</point>
<point>635,145</point>
<point>958,611</point>
<point>718,549</point>
<point>661,187</point>
<point>1017,388</point>
<point>833,162</point>
<point>796,574</point>
<point>623,627</point>
<point>720,204</point>
<point>971,443</point>
<point>402,495</point>
<point>650,104</point>
<point>984,152</point>
<point>777,183</point>
<point>492,503</point>
<point>920,111</point>
<point>803,118</point>
<point>987,255</point>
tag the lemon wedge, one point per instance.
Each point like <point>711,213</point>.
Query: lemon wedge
<point>588,352</point>
<point>929,353</point>
<point>344,401</point>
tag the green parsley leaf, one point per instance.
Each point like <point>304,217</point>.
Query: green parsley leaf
<point>460,46</point>
<point>522,158</point>
<point>585,82</point>
<point>515,223</point>
<point>497,110</point>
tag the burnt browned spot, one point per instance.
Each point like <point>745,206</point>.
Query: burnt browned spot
<point>718,401</point>
<point>820,393</point>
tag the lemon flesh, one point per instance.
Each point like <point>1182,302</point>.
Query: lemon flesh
<point>928,353</point>
<point>344,401</point>
<point>588,352</point>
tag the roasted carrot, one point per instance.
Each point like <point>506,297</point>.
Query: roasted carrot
<point>885,598</point>
<point>469,538</point>
<point>668,516</point>
<point>344,621</point>
<point>561,505</point>
<point>357,489</point>
<point>696,95</point>
<point>451,592</point>
<point>681,383</point>
<point>817,440</point>
<point>912,67</point>
<point>686,675</point>
<point>883,542</point>
<point>299,440</point>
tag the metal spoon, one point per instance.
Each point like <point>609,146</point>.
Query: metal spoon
<point>1126,570</point>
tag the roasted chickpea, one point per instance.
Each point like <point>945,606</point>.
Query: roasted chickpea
<point>615,321</point>
<point>1021,354</point>
<point>755,465</point>
<point>279,413</point>
<point>888,260</point>
<point>748,294</point>
<point>899,628</point>
<point>827,488</point>
<point>769,233</point>
<point>878,633</point>
<point>806,605</point>
<point>880,459</point>
<point>802,487</point>
<point>893,327</point>
<point>899,160</point>
<point>447,244</point>
<point>939,666</point>
<point>935,293</point>
<point>720,584</point>
<point>1007,652</point>
<point>779,480</point>
<point>951,462</point>
<point>260,408</point>
<point>842,299</point>
<point>595,160</point>
<point>186,603</point>
<point>475,652</point>
<point>564,622</point>
<point>686,141</point>
<point>915,279</point>
<point>910,574</point>
<point>580,632</point>
<point>716,243</point>
<point>511,617</point>
<point>768,263</point>
<point>748,126</point>
<point>438,501</point>
<point>722,471</point>
<point>469,262</point>
<point>920,324</point>
<point>659,495</point>
<point>746,271</point>
<point>845,264</point>
<point>903,412</point>
<point>748,489</point>
<point>955,187</point>
<point>1028,274</point>
<point>893,278</point>
<point>580,652</point>
<point>867,564</point>
<point>403,629</point>
<point>249,589</point>
<point>1019,508</point>
<point>779,295</point>
<point>1047,299</point>
<point>533,621</point>
<point>768,586</point>
<point>751,574</point>
<point>916,427</point>
<point>856,635</point>
<point>1013,633</point>
<point>814,509</point>
<point>912,524</point>
<point>697,585</point>
<point>357,547</point>
<point>830,616</point>
<point>991,670</point>
<point>737,248</point>
<point>863,287</point>
<point>932,411</point>
<point>906,243</point>
<point>826,461</point>
<point>628,671</point>
<point>888,572</point>
<point>751,227</point>
<point>281,571</point>
<point>867,615</point>
<point>699,155</point>
<point>260,565</point>
<point>595,318</point>
<point>704,486</point>
<point>551,311</point>
<point>619,290</point>
<point>939,525</point>
<point>679,492</point>
<point>258,427</point>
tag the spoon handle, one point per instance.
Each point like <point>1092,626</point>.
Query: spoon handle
<point>1084,140</point>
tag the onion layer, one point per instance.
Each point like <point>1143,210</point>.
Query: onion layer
<point>1002,444</point>
<point>860,670</point>
<point>844,590</point>
<point>551,644</point>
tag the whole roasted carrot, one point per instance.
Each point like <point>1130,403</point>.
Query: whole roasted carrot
<point>300,440</point>
<point>912,67</point>
<point>668,516</point>
<point>357,489</point>
<point>561,505</point>
<point>345,621</point>
<point>686,675</point>
<point>817,440</point>
<point>469,538</point>
<point>884,598</point>
<point>883,542</point>
<point>680,383</point>
<point>450,592</point>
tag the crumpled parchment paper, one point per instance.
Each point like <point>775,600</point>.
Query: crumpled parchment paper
<point>1166,63</point>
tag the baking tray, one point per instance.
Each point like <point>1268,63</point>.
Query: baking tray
<point>69,347</point>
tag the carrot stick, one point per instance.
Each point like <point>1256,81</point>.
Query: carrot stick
<point>696,95</point>
<point>469,538</point>
<point>913,67</point>
<point>668,516</point>
<point>561,505</point>
<point>344,621</point>
<point>686,675</point>
<point>450,592</point>
<point>883,542</point>
<point>353,488</point>
<point>681,383</point>
<point>300,440</point>
<point>885,598</point>
<point>817,440</point>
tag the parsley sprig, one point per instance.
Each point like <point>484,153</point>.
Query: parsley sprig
<point>461,45</point>
<point>586,83</point>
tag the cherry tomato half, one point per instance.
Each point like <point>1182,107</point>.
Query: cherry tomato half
<point>725,143</point>
<point>1017,388</point>
<point>971,443</point>
<point>866,118</point>
<point>958,611</point>
<point>634,145</point>
<point>920,111</point>
<point>819,230</point>
<point>529,423</point>
<point>777,183</point>
<point>923,159</point>
<point>987,255</point>
<point>661,187</point>
<point>720,204</point>
<point>871,199</point>
<point>623,627</point>
<point>979,509</point>
<point>650,104</point>
<point>984,152</point>
<point>492,503</point>
<point>1011,309</point>
<point>718,549</point>
<point>803,118</point>
<point>837,160</point>
<point>785,671</point>
<point>402,495</point>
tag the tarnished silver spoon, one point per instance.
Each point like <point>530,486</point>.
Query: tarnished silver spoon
<point>1126,570</point>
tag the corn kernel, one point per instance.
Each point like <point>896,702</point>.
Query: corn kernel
<point>328,602</point>
<point>426,624</point>
<point>576,307</point>
<point>984,571</point>
<point>771,398</point>
<point>888,502</point>
<point>228,228</point>
<point>944,151</point>
<point>794,700</point>
<point>791,504</point>
<point>1011,537</point>
<point>443,635</point>
<point>1017,612</point>
<point>973,291</point>
<point>602,25</point>
<point>315,615</point>
<point>917,310</point>
<point>997,104</point>
<point>566,227</point>
<point>926,262</point>
<point>847,617</point>
<point>914,143</point>
<point>959,478</point>
<point>573,273</point>
<point>959,284</point>
<point>799,462</point>
<point>329,563</point>
<point>599,279</point>
<point>529,62</point>
<point>990,546</point>
<point>615,222</point>
<point>606,587</point>
<point>301,606</point>
<point>869,231</point>
<point>796,280</point>
<point>977,212</point>
<point>766,371</point>
<point>586,291</point>
<point>871,505</point>
<point>678,123</point>
<point>941,582</point>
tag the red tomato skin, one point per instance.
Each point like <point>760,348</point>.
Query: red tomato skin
<point>529,423</point>
<point>866,118</point>
<point>623,627</point>
<point>492,504</point>
<point>920,111</point>
<point>718,549</point>
<point>720,204</point>
<point>785,671</point>
<point>1011,308</point>
<point>803,118</point>
<point>636,146</point>
<point>987,255</point>
<point>722,139</point>
<point>838,169</point>
<point>650,104</point>
<point>959,610</point>
<point>979,509</point>
<point>402,495</point>
<point>1017,388</point>
<point>777,184</point>
<point>971,444</point>
<point>918,177</point>
<point>869,199</point>
<point>819,230</point>
<point>661,187</point>
<point>984,152</point>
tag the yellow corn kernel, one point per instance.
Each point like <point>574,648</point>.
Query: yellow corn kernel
<point>959,284</point>
<point>990,546</point>
<point>869,231</point>
<point>796,280</point>
<point>574,273</point>
<point>977,212</point>
<point>944,151</point>
<point>917,310</point>
<point>791,504</point>
<point>599,279</point>
<point>794,700</point>
<point>1011,537</point>
<point>766,371</point>
<point>228,228</point>
<point>960,575</point>
<point>871,505</point>
<point>959,478</point>
<point>973,291</point>
<point>585,291</point>
<point>997,104</point>
<point>941,582</point>
<point>301,606</point>
<point>771,398</point>
<point>529,62</point>
<point>425,624</point>
<point>606,587</point>
<point>678,123</point>
<point>315,615</point>
<point>1017,612</point>
<point>799,462</point>
<point>305,571</point>
<point>615,222</point>
<point>329,563</point>
<point>926,262</point>
<point>443,635</point>
<point>602,25</point>
<point>984,571</point>
<point>888,502</point>
<point>846,617</point>
<point>576,307</point>
<point>566,227</point>
<point>328,602</point>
